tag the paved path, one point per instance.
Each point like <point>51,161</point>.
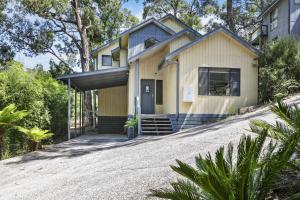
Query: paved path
<point>90,167</point>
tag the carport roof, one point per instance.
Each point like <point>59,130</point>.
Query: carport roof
<point>99,79</point>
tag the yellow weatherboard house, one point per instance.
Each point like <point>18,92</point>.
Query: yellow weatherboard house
<point>170,77</point>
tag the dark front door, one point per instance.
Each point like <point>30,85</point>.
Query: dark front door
<point>147,96</point>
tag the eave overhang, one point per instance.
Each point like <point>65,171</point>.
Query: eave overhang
<point>105,78</point>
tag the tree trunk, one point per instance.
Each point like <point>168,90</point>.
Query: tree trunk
<point>85,58</point>
<point>230,17</point>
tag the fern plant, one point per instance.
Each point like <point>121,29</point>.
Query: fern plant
<point>36,135</point>
<point>288,125</point>
<point>132,122</point>
<point>251,177</point>
<point>9,117</point>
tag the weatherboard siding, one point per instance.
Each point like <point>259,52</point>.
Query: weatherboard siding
<point>217,51</point>
<point>179,42</point>
<point>107,51</point>
<point>130,90</point>
<point>136,39</point>
<point>169,89</point>
<point>113,101</point>
<point>172,24</point>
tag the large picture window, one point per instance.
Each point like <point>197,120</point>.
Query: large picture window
<point>274,19</point>
<point>106,60</point>
<point>219,81</point>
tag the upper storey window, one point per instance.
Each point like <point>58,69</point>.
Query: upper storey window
<point>150,42</point>
<point>106,60</point>
<point>274,19</point>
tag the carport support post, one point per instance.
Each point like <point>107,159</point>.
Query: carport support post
<point>80,113</point>
<point>75,112</point>
<point>69,109</point>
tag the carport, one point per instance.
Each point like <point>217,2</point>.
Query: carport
<point>87,81</point>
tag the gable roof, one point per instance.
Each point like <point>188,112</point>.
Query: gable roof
<point>133,29</point>
<point>162,44</point>
<point>170,16</point>
<point>204,37</point>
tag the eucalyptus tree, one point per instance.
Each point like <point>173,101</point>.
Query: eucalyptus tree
<point>185,10</point>
<point>65,28</point>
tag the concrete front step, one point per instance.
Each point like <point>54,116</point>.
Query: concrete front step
<point>156,126</point>
<point>156,132</point>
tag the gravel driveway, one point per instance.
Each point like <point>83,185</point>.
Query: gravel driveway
<point>93,167</point>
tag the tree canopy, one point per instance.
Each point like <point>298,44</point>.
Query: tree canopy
<point>65,28</point>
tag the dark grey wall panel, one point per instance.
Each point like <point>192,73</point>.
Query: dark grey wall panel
<point>283,21</point>
<point>185,121</point>
<point>111,124</point>
<point>136,39</point>
<point>295,18</point>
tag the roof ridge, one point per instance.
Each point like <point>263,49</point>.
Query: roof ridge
<point>131,29</point>
<point>218,29</point>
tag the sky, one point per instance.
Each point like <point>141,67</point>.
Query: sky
<point>135,7</point>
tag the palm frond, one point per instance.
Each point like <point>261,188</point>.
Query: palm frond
<point>182,190</point>
<point>9,115</point>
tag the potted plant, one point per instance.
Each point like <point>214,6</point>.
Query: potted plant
<point>131,125</point>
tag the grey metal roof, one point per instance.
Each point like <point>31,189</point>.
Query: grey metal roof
<point>97,79</point>
<point>134,28</point>
<point>221,28</point>
<point>161,44</point>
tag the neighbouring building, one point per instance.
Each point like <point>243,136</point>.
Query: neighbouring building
<point>170,76</point>
<point>279,19</point>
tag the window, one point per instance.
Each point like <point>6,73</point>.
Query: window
<point>106,60</point>
<point>297,1</point>
<point>273,19</point>
<point>159,92</point>
<point>219,81</point>
<point>150,42</point>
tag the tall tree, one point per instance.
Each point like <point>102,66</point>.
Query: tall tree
<point>182,9</point>
<point>65,28</point>
<point>6,52</point>
<point>241,16</point>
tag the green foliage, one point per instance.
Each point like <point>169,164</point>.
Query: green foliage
<point>58,28</point>
<point>279,69</point>
<point>132,122</point>
<point>254,173</point>
<point>35,134</point>
<point>187,11</point>
<point>44,98</point>
<point>9,116</point>
<point>284,129</point>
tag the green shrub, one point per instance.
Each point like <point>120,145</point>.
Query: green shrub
<point>279,69</point>
<point>9,117</point>
<point>35,136</point>
<point>43,97</point>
